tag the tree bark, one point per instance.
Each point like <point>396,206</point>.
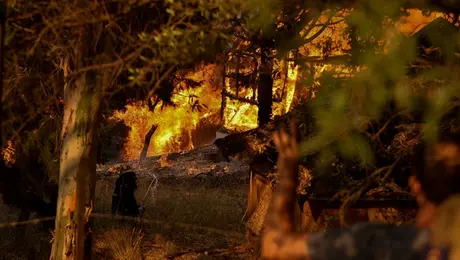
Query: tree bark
<point>2,41</point>
<point>77,167</point>
<point>265,89</point>
<point>223,105</point>
<point>147,139</point>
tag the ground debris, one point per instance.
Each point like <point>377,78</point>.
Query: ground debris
<point>203,161</point>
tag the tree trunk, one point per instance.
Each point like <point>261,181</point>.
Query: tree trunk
<point>77,167</point>
<point>2,43</point>
<point>147,139</point>
<point>223,105</point>
<point>265,89</point>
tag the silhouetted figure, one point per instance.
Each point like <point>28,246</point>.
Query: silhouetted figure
<point>123,201</point>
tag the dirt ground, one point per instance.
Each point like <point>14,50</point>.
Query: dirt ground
<point>183,216</point>
<point>197,210</point>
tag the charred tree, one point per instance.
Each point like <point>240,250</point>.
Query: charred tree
<point>2,41</point>
<point>147,139</point>
<point>265,88</point>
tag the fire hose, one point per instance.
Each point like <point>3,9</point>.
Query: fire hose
<point>152,186</point>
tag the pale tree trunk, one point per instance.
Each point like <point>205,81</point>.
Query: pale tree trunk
<point>77,167</point>
<point>77,174</point>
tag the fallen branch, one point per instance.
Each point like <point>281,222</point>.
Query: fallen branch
<point>386,125</point>
<point>203,173</point>
<point>372,179</point>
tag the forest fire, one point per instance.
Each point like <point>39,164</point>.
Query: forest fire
<point>181,103</point>
<point>178,125</point>
<point>175,124</point>
<point>239,116</point>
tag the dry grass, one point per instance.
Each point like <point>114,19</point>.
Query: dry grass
<point>121,243</point>
<point>181,215</point>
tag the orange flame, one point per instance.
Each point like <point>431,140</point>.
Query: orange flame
<point>175,124</point>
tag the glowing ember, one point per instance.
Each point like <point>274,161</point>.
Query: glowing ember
<point>257,145</point>
<point>192,170</point>
<point>8,154</point>
<point>164,161</point>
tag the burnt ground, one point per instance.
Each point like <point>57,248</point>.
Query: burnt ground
<point>196,206</point>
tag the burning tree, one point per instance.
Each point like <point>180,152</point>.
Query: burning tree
<point>260,68</point>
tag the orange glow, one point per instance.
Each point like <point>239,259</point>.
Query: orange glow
<point>8,154</point>
<point>415,21</point>
<point>242,116</point>
<point>164,161</point>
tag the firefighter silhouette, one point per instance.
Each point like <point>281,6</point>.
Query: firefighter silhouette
<point>123,200</point>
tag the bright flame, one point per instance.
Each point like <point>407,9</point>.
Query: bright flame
<point>175,124</point>
<point>242,116</point>
<point>291,81</point>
